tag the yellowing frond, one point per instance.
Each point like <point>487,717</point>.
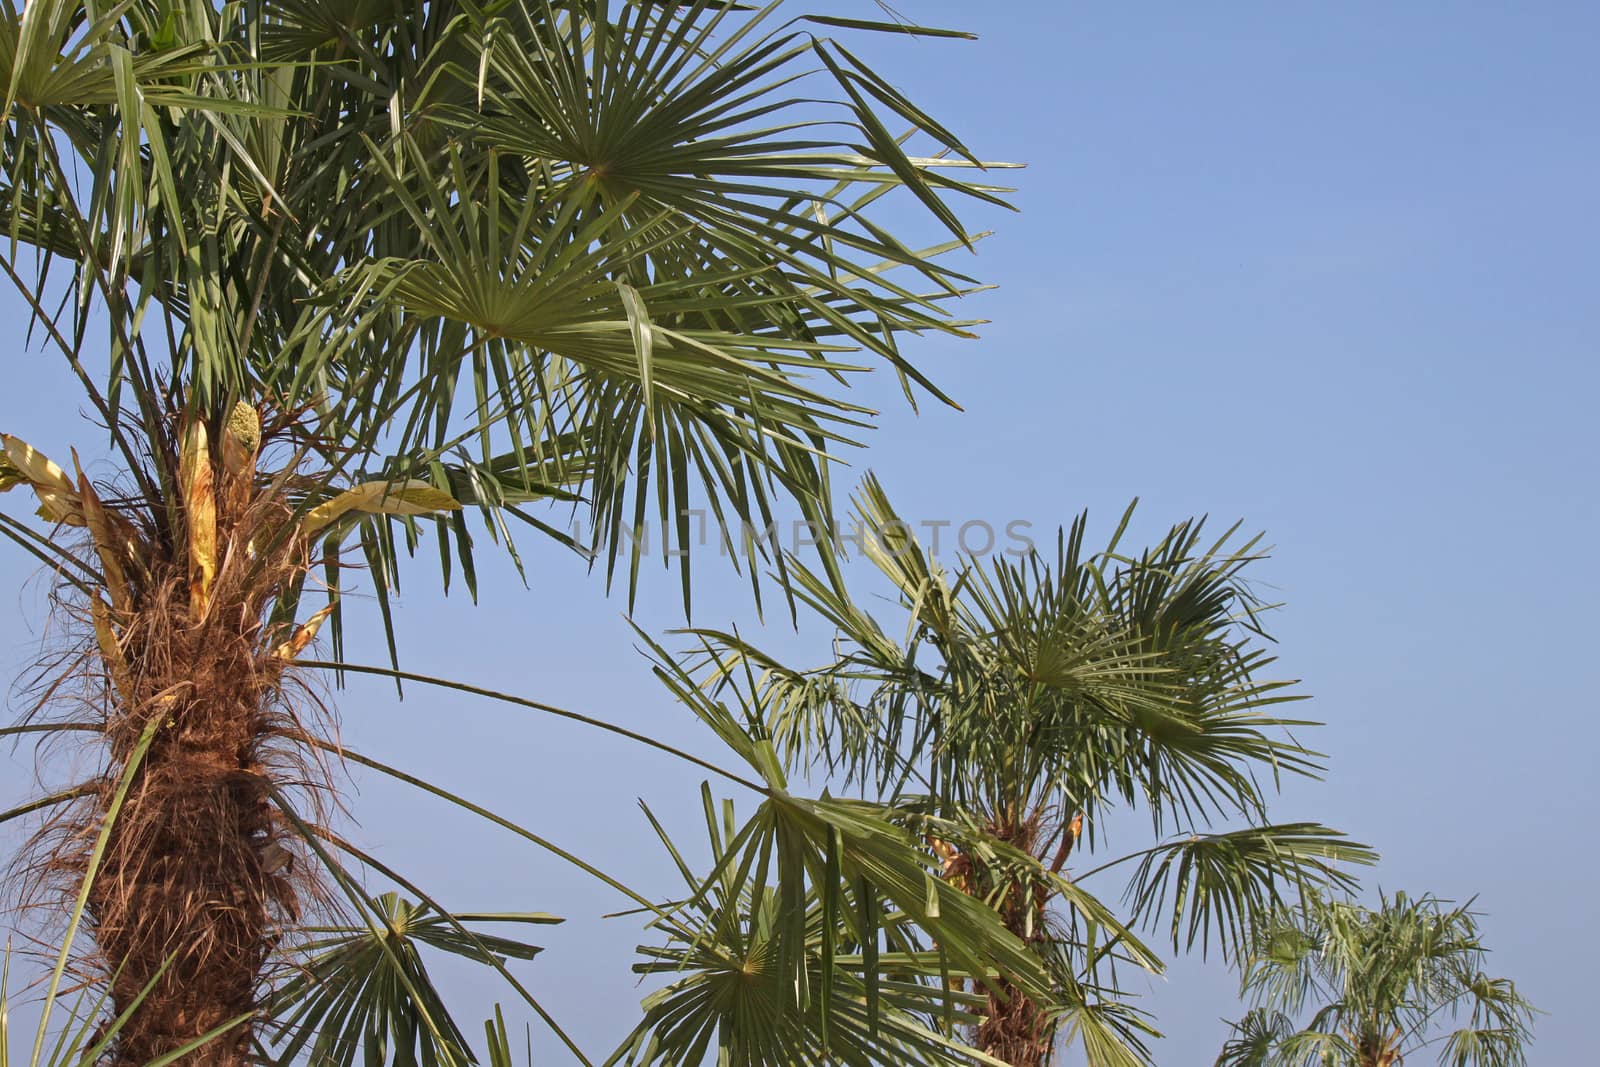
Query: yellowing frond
<point>58,497</point>
<point>110,648</point>
<point>410,497</point>
<point>107,544</point>
<point>303,635</point>
<point>35,466</point>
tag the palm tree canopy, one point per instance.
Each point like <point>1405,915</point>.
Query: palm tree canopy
<point>616,251</point>
<point>1382,985</point>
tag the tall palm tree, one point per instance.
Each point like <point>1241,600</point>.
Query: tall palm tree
<point>1384,985</point>
<point>331,274</point>
<point>1032,697</point>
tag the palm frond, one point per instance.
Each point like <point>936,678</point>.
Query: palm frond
<point>364,991</point>
<point>868,991</point>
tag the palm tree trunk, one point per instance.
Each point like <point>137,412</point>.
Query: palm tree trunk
<point>197,881</point>
<point>1015,1029</point>
<point>185,904</point>
<point>1374,1050</point>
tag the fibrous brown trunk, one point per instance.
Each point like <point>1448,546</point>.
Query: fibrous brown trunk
<point>188,882</point>
<point>197,880</point>
<point>1374,1050</point>
<point>1015,1029</point>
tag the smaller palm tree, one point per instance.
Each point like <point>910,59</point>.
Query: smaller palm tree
<point>1384,983</point>
<point>1030,699</point>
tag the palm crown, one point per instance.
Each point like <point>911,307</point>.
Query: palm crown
<point>1382,984</point>
<point>512,252</point>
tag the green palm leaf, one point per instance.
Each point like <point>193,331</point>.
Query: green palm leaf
<point>364,994</point>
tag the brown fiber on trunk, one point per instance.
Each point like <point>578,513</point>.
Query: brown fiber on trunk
<point>1015,1029</point>
<point>1375,1050</point>
<point>202,871</point>
<point>186,873</point>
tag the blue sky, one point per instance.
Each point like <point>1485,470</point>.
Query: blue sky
<point>1329,269</point>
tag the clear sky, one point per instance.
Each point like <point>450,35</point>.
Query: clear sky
<point>1330,269</point>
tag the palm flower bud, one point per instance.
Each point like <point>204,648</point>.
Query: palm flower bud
<point>241,436</point>
<point>244,426</point>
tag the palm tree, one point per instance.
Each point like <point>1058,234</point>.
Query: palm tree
<point>331,274</point>
<point>1032,697</point>
<point>1383,984</point>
